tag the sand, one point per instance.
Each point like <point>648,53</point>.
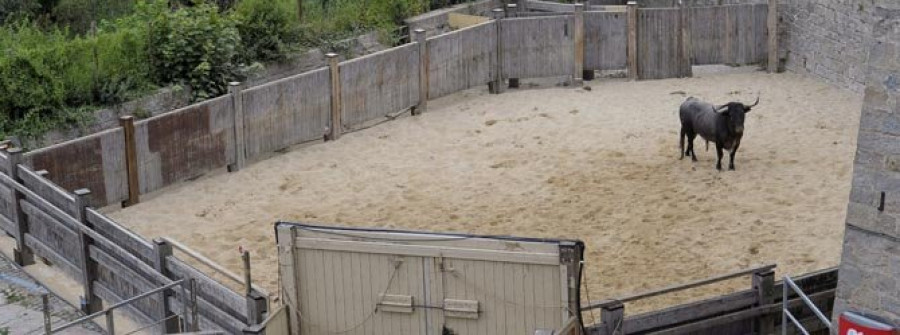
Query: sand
<point>599,165</point>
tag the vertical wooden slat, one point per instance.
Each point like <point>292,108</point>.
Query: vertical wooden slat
<point>163,250</point>
<point>423,72</point>
<point>23,254</point>
<point>632,12</point>
<point>578,74</point>
<point>336,123</point>
<point>90,302</point>
<point>685,41</point>
<point>772,30</point>
<point>131,165</point>
<point>497,84</point>
<point>764,284</point>
<point>237,100</point>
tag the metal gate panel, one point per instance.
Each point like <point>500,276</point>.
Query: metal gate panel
<point>363,281</point>
<point>339,292</point>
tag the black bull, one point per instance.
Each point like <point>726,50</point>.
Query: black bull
<point>722,125</point>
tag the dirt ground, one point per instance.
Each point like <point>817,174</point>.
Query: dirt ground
<point>600,165</point>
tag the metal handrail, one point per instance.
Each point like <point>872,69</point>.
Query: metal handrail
<point>213,265</point>
<point>638,296</point>
<point>108,310</point>
<point>786,314</point>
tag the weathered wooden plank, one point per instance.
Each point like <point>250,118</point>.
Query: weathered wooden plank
<point>286,112</point>
<point>688,312</point>
<point>605,40</point>
<point>121,236</point>
<point>658,48</point>
<point>95,162</point>
<point>124,282</point>
<point>6,225</point>
<point>536,47</point>
<point>54,234</point>
<point>133,312</point>
<point>54,257</point>
<point>555,7</point>
<point>229,301</point>
<point>48,190</point>
<point>185,143</point>
<point>461,59</point>
<point>378,85</point>
<point>6,206</point>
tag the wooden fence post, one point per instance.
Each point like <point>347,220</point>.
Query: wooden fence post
<point>23,255</point>
<point>511,12</point>
<point>163,250</point>
<point>612,317</point>
<point>684,40</point>
<point>764,285</point>
<point>235,89</point>
<point>256,303</point>
<point>423,72</point>
<point>90,302</point>
<point>632,40</point>
<point>131,166</point>
<point>772,25</point>
<point>522,5</point>
<point>336,123</point>
<point>578,76</point>
<point>495,87</point>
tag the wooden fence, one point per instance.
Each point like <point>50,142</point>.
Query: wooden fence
<point>110,262</point>
<point>38,202</point>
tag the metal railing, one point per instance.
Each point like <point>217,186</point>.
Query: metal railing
<point>786,314</point>
<point>188,309</point>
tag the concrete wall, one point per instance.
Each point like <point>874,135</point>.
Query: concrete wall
<point>870,265</point>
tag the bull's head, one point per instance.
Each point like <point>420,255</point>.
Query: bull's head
<point>734,113</point>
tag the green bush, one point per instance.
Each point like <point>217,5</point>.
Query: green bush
<point>268,29</point>
<point>77,15</point>
<point>194,46</point>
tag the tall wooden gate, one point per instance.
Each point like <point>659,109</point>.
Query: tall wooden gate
<point>363,281</point>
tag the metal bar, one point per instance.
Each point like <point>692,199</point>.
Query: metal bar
<point>116,305</point>
<point>681,287</point>
<point>794,321</point>
<point>808,302</point>
<point>206,261</point>
<point>45,302</point>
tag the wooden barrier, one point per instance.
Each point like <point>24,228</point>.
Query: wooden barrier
<point>548,41</point>
<point>378,86</point>
<point>605,41</point>
<point>286,112</point>
<point>461,59</point>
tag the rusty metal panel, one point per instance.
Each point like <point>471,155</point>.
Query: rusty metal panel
<point>184,143</point>
<point>95,162</point>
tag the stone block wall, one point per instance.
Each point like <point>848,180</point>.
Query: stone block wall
<point>869,277</point>
<point>827,39</point>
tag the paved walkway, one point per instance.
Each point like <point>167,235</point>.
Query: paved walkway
<point>21,308</point>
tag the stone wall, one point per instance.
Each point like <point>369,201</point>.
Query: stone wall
<point>870,265</point>
<point>827,39</point>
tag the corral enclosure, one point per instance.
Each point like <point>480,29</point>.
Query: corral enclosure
<point>600,165</point>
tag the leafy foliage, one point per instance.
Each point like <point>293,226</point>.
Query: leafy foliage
<point>195,46</point>
<point>268,29</point>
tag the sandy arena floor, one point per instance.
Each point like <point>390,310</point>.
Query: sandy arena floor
<point>599,165</point>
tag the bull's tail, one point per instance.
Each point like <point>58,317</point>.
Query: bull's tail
<point>707,146</point>
<point>681,141</point>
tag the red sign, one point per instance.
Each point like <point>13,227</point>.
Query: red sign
<point>854,324</point>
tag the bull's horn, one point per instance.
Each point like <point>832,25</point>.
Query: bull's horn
<point>719,108</point>
<point>755,103</point>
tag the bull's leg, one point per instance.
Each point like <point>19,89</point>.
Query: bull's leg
<point>737,144</point>
<point>690,149</point>
<point>719,156</point>
<point>681,142</point>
